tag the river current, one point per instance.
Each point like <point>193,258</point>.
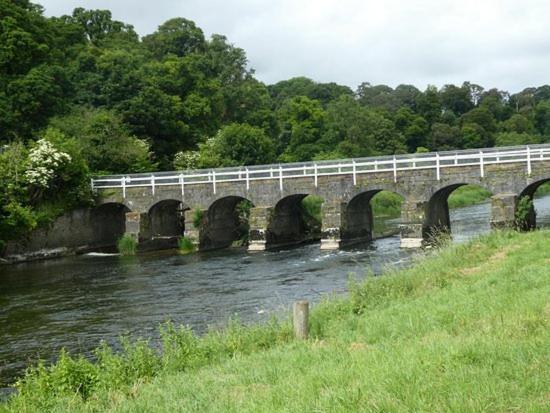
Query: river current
<point>77,301</point>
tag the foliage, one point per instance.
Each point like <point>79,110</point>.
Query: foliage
<point>469,319</point>
<point>386,204</point>
<point>44,160</point>
<point>186,245</point>
<point>524,213</point>
<point>198,216</point>
<point>468,195</point>
<point>127,245</point>
<point>310,209</point>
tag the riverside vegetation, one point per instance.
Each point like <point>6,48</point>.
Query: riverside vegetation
<point>83,94</point>
<point>464,329</point>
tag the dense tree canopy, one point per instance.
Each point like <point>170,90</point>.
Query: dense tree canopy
<point>115,102</point>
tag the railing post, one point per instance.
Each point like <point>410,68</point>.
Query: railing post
<point>481,170</point>
<point>315,173</point>
<point>376,164</point>
<point>394,169</point>
<point>123,184</point>
<point>354,173</point>
<point>281,178</point>
<point>247,180</point>
<point>92,183</point>
<point>438,173</point>
<point>339,168</point>
<point>214,180</point>
<point>456,158</point>
<point>528,161</point>
<point>305,173</point>
<point>271,172</point>
<point>182,187</point>
<point>153,184</point>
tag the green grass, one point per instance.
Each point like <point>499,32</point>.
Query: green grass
<point>127,245</point>
<point>186,246</point>
<point>464,330</point>
<point>386,204</point>
<point>468,195</point>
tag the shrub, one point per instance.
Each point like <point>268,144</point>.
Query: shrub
<point>185,245</point>
<point>523,214</point>
<point>127,245</point>
<point>198,215</point>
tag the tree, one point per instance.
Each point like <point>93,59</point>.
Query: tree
<point>349,129</point>
<point>414,128</point>
<point>444,137</point>
<point>474,136</point>
<point>104,141</point>
<point>515,138</point>
<point>518,123</point>
<point>542,119</point>
<point>234,145</point>
<point>178,36</point>
<point>302,123</point>
<point>482,116</point>
<point>456,99</point>
<point>428,104</point>
<point>100,28</point>
<point>378,96</point>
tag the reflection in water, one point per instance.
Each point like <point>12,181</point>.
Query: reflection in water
<point>76,302</point>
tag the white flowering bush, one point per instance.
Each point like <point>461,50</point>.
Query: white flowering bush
<point>186,160</point>
<point>44,162</point>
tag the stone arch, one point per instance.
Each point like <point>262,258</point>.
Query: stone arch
<point>437,217</point>
<point>166,218</point>
<point>109,223</point>
<point>359,221</point>
<point>530,191</point>
<point>289,225</point>
<point>221,224</point>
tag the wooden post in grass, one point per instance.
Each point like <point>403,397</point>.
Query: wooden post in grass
<point>301,319</point>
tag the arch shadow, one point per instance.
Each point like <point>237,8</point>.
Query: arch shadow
<point>109,223</point>
<point>291,224</point>
<point>166,219</point>
<point>438,219</point>
<point>225,223</point>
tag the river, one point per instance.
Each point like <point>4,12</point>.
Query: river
<point>77,301</point>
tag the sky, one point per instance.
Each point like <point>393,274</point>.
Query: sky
<point>494,43</point>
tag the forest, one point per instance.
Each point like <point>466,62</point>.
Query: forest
<point>84,94</point>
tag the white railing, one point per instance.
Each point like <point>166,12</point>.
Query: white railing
<point>281,172</point>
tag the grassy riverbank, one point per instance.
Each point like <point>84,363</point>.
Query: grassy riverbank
<point>466,329</point>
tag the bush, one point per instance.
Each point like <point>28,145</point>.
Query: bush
<point>185,245</point>
<point>524,213</point>
<point>198,215</point>
<point>127,245</point>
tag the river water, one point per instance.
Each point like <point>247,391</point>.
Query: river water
<point>77,301</point>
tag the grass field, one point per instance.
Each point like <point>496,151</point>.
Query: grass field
<point>464,330</point>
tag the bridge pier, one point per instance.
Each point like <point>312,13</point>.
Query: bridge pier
<point>192,232</point>
<point>333,221</point>
<point>503,211</point>
<point>137,225</point>
<point>413,216</point>
<point>259,220</point>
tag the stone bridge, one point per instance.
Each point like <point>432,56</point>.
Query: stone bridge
<point>203,204</point>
